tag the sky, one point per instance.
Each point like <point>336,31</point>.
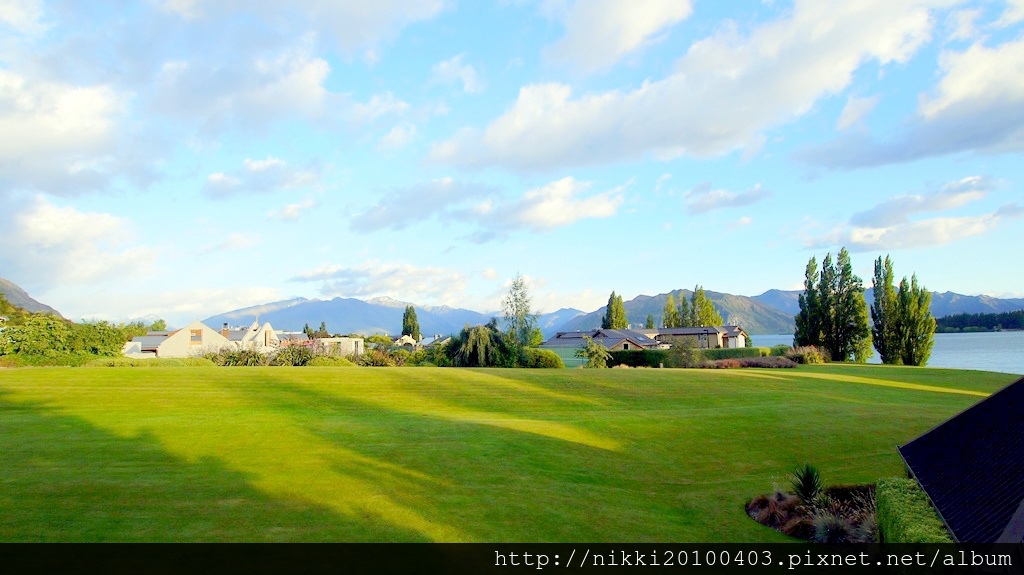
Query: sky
<point>183,158</point>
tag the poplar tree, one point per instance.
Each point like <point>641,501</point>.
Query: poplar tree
<point>649,324</point>
<point>702,311</point>
<point>615,316</point>
<point>670,315</point>
<point>885,314</point>
<point>917,321</point>
<point>833,313</point>
<point>685,317</point>
<point>410,325</point>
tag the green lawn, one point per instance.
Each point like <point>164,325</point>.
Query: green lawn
<point>418,454</point>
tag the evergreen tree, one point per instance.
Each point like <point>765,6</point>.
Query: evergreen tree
<point>615,316</point>
<point>670,314</point>
<point>808,328</point>
<point>885,315</point>
<point>520,321</point>
<point>411,325</point>
<point>834,314</point>
<point>702,311</point>
<point>685,317</point>
<point>649,324</point>
<point>917,322</point>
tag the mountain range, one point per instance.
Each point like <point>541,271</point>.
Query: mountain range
<point>769,313</point>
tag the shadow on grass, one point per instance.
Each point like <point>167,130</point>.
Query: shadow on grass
<point>65,480</point>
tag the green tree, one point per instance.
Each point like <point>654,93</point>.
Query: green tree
<point>808,328</point>
<point>411,325</point>
<point>670,314</point>
<point>916,321</point>
<point>685,318</point>
<point>520,321</point>
<point>839,319</point>
<point>649,324</point>
<point>615,316</point>
<point>158,325</point>
<point>322,332</point>
<point>480,346</point>
<point>885,314</point>
<point>702,311</point>
<point>594,352</point>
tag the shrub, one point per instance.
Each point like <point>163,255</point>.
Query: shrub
<point>541,359</point>
<point>330,361</point>
<point>779,350</point>
<point>150,362</point>
<point>294,355</point>
<point>905,514</point>
<point>832,529</point>
<point>773,510</point>
<point>735,352</point>
<point>806,482</point>
<point>808,354</point>
<point>638,358</point>
<point>767,362</point>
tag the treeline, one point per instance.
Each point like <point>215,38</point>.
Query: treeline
<point>981,322</point>
<point>43,339</point>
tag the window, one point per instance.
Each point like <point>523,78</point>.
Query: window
<point>197,336</point>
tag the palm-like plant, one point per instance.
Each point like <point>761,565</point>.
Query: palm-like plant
<point>806,482</point>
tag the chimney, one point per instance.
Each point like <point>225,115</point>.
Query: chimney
<point>224,330</point>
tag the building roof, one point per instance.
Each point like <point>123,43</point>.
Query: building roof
<point>609,337</point>
<point>972,468</point>
<point>150,341</point>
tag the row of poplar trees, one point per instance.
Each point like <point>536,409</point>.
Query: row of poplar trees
<point>699,311</point>
<point>834,314</point>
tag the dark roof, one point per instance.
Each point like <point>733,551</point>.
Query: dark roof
<point>609,337</point>
<point>149,341</point>
<point>972,468</point>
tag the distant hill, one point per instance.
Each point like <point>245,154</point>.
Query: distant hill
<point>20,298</point>
<point>378,315</point>
<point>754,316</point>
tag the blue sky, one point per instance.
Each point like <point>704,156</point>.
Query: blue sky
<point>186,157</point>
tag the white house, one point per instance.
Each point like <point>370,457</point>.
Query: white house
<point>192,340</point>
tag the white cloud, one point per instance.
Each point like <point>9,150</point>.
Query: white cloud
<point>454,70</point>
<point>399,137</point>
<point>1013,14</point>
<point>260,177</point>
<point>888,226</point>
<point>350,24</point>
<point>234,241</point>
<point>964,24</point>
<point>855,111</point>
<point>598,33</point>
<point>897,210</point>
<point>48,244</point>
<point>247,94</point>
<point>558,204</point>
<point>705,198</point>
<point>379,105</point>
<point>402,207</point>
<point>291,212</point>
<point>24,16</point>
<point>725,92</point>
<point>400,281</point>
<point>57,137</point>
<point>978,105</point>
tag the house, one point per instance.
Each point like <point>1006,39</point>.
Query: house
<point>613,339</point>
<point>711,337</point>
<point>343,346</point>
<point>972,468</point>
<point>192,340</point>
<point>406,341</point>
<point>262,338</point>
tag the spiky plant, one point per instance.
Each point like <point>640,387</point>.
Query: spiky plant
<point>806,483</point>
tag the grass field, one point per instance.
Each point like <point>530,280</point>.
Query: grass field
<point>419,454</point>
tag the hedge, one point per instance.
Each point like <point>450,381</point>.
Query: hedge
<point>639,358</point>
<point>150,362</point>
<point>735,352</point>
<point>905,515</point>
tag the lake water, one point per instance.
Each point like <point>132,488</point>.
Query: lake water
<point>1001,351</point>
